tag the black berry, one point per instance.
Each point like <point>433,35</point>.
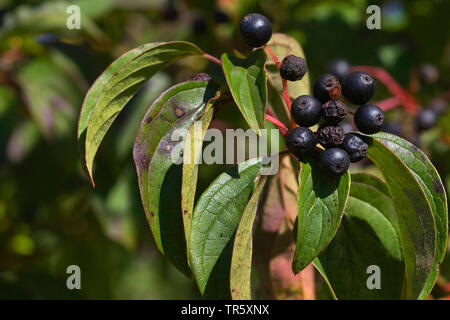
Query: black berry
<point>220,16</point>
<point>327,87</point>
<point>369,118</point>
<point>199,25</point>
<point>438,105</point>
<point>335,160</point>
<point>426,119</point>
<point>330,136</point>
<point>169,12</point>
<point>428,73</point>
<point>334,111</point>
<point>355,147</point>
<point>200,77</point>
<point>293,68</point>
<point>300,141</point>
<point>256,29</point>
<point>358,87</point>
<point>340,68</point>
<point>306,110</point>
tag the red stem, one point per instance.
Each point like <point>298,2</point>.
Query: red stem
<point>408,101</point>
<point>212,58</point>
<point>280,125</point>
<point>389,103</point>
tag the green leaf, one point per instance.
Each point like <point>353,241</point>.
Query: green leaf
<point>368,236</point>
<point>283,45</point>
<point>217,215</point>
<point>428,178</point>
<point>51,95</point>
<point>155,155</point>
<point>419,198</point>
<point>247,81</point>
<point>241,262</point>
<point>321,203</point>
<point>116,86</point>
<point>192,152</point>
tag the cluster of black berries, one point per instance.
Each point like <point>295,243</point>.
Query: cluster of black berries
<point>325,109</point>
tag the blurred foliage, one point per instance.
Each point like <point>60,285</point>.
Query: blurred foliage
<point>50,217</point>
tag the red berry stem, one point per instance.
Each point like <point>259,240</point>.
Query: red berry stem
<point>212,58</point>
<point>280,125</point>
<point>406,99</point>
<point>389,103</point>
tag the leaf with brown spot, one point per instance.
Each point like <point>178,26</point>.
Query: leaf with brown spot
<point>117,85</point>
<point>160,197</point>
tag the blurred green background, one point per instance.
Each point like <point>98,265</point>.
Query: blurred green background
<point>51,217</point>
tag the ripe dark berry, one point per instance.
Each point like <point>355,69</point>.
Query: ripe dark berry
<point>340,68</point>
<point>369,118</point>
<point>355,147</point>
<point>256,29</point>
<point>330,136</point>
<point>426,119</point>
<point>199,25</point>
<point>335,160</point>
<point>306,111</point>
<point>220,16</point>
<point>293,68</point>
<point>438,105</point>
<point>300,141</point>
<point>334,111</point>
<point>327,87</point>
<point>428,73</point>
<point>169,12</point>
<point>358,87</point>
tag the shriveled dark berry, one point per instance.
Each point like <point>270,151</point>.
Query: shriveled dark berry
<point>300,141</point>
<point>330,136</point>
<point>369,118</point>
<point>340,68</point>
<point>335,161</point>
<point>355,147</point>
<point>426,119</point>
<point>327,87</point>
<point>428,73</point>
<point>293,68</point>
<point>358,87</point>
<point>334,111</point>
<point>220,16</point>
<point>438,105</point>
<point>306,111</point>
<point>200,77</point>
<point>256,29</point>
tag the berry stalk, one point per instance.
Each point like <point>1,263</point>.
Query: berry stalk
<point>212,58</point>
<point>283,129</point>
